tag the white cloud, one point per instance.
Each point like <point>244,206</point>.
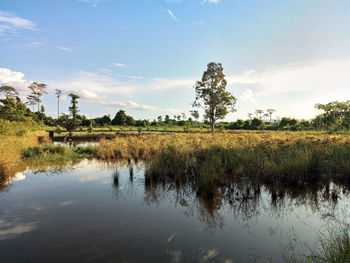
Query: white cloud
<point>36,44</point>
<point>134,106</point>
<point>104,70</point>
<point>248,96</point>
<point>132,77</point>
<point>321,76</point>
<point>118,65</point>
<point>171,14</point>
<point>66,49</point>
<point>210,1</point>
<point>96,88</point>
<point>14,79</point>
<point>93,3</point>
<point>9,22</point>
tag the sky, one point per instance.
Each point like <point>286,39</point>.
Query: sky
<point>144,56</point>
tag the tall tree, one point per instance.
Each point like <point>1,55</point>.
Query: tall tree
<point>266,115</point>
<point>38,90</point>
<point>58,93</point>
<point>195,114</point>
<point>270,111</point>
<point>212,96</point>
<point>73,122</point>
<point>8,92</point>
<point>259,113</point>
<point>32,100</point>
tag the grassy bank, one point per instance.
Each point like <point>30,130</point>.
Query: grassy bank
<point>49,153</point>
<point>272,157</point>
<point>284,158</point>
<point>15,138</point>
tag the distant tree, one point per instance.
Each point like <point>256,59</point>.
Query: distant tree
<point>42,108</point>
<point>9,92</point>
<point>287,123</point>
<point>212,96</point>
<point>183,116</point>
<point>178,117</point>
<point>336,115</point>
<point>250,116</point>
<point>167,118</point>
<point>58,93</point>
<point>32,100</point>
<point>73,121</point>
<point>270,111</point>
<point>256,124</point>
<point>266,115</point>
<point>38,90</point>
<point>121,118</point>
<point>159,118</point>
<point>195,114</point>
<point>13,110</point>
<point>258,113</point>
<point>103,121</point>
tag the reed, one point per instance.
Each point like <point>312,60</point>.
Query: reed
<point>277,157</point>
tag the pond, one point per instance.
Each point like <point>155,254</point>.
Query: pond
<point>98,212</point>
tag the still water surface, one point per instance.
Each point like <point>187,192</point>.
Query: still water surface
<point>93,212</point>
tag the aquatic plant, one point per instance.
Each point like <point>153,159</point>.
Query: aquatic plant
<point>285,158</point>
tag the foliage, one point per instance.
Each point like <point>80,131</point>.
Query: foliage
<point>212,96</point>
<point>335,116</point>
<point>121,118</point>
<point>14,110</point>
<point>9,92</point>
<point>37,91</point>
<point>72,123</point>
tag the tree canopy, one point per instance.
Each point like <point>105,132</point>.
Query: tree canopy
<point>212,96</point>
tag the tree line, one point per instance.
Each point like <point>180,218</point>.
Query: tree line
<point>211,97</point>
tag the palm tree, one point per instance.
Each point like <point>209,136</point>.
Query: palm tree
<point>266,115</point>
<point>270,111</point>
<point>58,94</point>
<point>259,113</point>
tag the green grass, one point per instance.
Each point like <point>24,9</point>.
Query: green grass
<point>50,153</point>
<point>333,246</point>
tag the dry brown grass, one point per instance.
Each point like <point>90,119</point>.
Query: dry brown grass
<point>286,158</point>
<point>15,137</point>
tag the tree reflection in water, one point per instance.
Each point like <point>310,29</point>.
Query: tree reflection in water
<point>243,199</point>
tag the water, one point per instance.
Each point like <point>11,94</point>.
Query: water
<point>93,212</point>
<point>77,143</point>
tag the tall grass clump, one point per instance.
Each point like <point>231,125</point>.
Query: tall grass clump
<point>51,153</point>
<point>285,158</point>
<point>332,246</point>
<point>15,137</point>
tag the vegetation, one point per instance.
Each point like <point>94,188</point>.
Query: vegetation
<point>270,157</point>
<point>16,137</point>
<point>333,246</point>
<point>37,91</point>
<point>212,96</point>
<point>44,153</point>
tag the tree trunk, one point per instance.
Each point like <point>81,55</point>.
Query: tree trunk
<point>58,109</point>
<point>212,127</point>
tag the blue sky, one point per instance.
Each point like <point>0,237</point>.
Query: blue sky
<point>144,56</point>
